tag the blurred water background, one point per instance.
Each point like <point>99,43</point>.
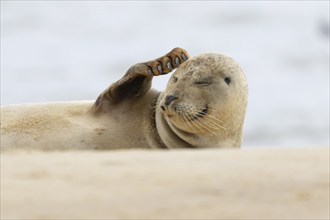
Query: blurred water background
<point>73,50</point>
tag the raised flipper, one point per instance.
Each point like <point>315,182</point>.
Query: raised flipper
<point>137,80</point>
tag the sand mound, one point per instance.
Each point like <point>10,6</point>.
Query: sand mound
<point>248,183</point>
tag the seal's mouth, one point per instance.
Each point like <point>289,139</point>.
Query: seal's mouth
<point>199,114</point>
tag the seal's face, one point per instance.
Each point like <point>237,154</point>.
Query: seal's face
<point>199,95</point>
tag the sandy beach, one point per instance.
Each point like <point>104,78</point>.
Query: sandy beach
<point>250,183</point>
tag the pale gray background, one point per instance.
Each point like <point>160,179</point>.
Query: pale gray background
<point>72,50</point>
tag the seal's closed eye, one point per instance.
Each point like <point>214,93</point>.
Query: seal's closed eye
<point>204,82</point>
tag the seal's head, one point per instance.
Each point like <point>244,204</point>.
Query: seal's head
<point>205,100</point>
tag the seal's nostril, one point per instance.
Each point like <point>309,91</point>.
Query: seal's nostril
<point>169,99</point>
<point>162,107</point>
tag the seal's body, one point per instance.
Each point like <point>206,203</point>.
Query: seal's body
<point>203,105</point>
<point>70,126</point>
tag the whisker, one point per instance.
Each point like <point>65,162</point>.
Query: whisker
<point>208,117</point>
<point>204,126</point>
<point>196,125</point>
<point>216,118</point>
<point>187,121</point>
<point>212,126</point>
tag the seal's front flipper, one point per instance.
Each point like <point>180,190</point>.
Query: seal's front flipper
<point>167,63</point>
<point>137,80</point>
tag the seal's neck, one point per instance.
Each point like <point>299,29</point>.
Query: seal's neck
<point>169,135</point>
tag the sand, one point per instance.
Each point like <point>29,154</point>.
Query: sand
<point>251,183</point>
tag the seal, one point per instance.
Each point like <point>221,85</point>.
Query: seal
<point>204,105</point>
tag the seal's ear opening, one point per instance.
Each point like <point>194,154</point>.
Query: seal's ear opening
<point>227,80</point>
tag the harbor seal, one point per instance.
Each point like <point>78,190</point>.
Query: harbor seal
<point>204,105</point>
